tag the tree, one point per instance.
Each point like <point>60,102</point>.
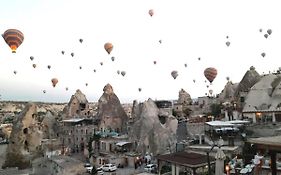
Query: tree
<point>216,109</point>
<point>94,171</point>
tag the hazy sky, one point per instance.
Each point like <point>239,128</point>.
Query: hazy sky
<point>189,29</point>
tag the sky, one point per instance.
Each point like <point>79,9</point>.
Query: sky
<point>188,29</point>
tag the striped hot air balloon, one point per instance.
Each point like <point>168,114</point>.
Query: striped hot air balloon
<point>210,73</point>
<point>13,38</point>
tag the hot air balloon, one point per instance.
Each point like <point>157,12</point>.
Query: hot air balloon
<point>44,91</point>
<point>112,58</point>
<point>199,58</point>
<point>194,80</point>
<point>160,41</point>
<point>154,62</point>
<point>185,65</point>
<point>123,73</point>
<point>207,86</point>
<point>80,67</point>
<point>227,78</point>
<point>13,38</point>
<point>86,84</point>
<point>62,52</point>
<point>227,37</point>
<point>81,40</point>
<point>54,81</point>
<point>265,35</point>
<point>108,47</point>
<point>139,89</point>
<point>34,65</point>
<point>210,73</point>
<point>101,63</point>
<point>174,74</point>
<point>211,92</point>
<point>151,12</point>
<point>269,31</point>
<point>15,72</point>
<point>31,58</point>
<point>118,72</point>
<point>49,66</point>
<point>95,70</point>
<point>263,54</point>
<point>260,30</point>
<point>66,88</point>
<point>72,54</point>
<point>227,43</point>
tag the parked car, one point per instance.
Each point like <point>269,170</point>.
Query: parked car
<point>109,167</point>
<point>150,167</point>
<point>100,171</point>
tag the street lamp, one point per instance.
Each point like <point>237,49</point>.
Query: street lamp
<point>227,169</point>
<point>219,144</point>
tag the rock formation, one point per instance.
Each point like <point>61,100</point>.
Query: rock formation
<point>25,138</point>
<point>154,131</point>
<point>50,126</point>
<point>78,106</point>
<point>250,78</point>
<point>227,94</point>
<point>184,97</point>
<point>110,113</point>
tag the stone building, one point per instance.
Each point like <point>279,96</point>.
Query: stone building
<point>76,134</point>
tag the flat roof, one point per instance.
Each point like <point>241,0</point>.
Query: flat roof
<point>187,159</point>
<point>227,123</point>
<point>73,120</point>
<point>272,143</point>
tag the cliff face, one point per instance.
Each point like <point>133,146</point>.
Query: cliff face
<point>77,107</point>
<point>25,138</point>
<point>154,130</point>
<point>228,93</point>
<point>110,111</point>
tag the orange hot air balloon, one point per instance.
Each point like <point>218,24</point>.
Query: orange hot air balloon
<point>13,38</point>
<point>210,73</point>
<point>108,47</point>
<point>151,12</point>
<point>54,81</point>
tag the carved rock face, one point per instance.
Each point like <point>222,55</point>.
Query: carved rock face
<point>78,106</point>
<point>25,138</point>
<point>110,111</point>
<point>149,134</point>
<point>184,97</point>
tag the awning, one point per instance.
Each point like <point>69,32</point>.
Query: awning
<point>122,143</point>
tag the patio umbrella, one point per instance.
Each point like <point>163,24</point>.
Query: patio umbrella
<point>220,157</point>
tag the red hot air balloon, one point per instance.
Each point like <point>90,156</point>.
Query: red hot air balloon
<point>54,82</point>
<point>151,12</point>
<point>13,38</point>
<point>210,73</point>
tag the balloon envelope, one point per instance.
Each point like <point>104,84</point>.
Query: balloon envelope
<point>269,31</point>
<point>34,65</point>
<point>151,12</point>
<point>123,73</point>
<point>174,74</point>
<point>13,38</point>
<point>54,81</point>
<point>31,58</point>
<point>108,47</point>
<point>210,73</point>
